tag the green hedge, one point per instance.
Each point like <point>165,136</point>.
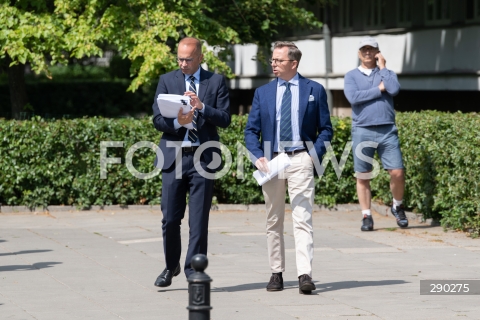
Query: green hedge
<point>58,162</point>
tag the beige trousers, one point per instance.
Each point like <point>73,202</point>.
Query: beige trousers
<point>301,188</point>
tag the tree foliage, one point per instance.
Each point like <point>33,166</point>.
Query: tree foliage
<point>47,32</point>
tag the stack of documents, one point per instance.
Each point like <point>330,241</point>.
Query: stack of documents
<point>275,166</point>
<point>170,104</point>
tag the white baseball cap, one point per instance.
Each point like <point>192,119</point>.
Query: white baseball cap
<point>368,41</point>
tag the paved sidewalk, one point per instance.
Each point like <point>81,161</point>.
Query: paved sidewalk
<point>102,265</point>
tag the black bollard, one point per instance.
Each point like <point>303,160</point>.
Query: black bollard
<point>199,290</point>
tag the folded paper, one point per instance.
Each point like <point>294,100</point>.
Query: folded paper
<point>170,104</point>
<point>276,165</point>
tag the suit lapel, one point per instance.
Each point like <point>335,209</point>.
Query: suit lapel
<point>203,85</point>
<point>180,79</point>
<point>272,103</point>
<point>303,95</point>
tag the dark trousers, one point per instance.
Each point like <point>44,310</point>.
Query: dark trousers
<point>173,207</point>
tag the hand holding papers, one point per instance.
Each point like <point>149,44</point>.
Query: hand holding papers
<point>276,165</point>
<point>170,104</point>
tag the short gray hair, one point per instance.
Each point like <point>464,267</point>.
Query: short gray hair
<point>293,52</point>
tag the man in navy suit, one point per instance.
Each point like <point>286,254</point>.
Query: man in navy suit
<point>290,114</point>
<point>184,170</point>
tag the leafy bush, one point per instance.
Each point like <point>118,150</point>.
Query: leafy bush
<point>58,162</point>
<point>442,156</point>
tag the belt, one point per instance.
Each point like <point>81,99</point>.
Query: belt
<point>291,153</point>
<point>189,149</point>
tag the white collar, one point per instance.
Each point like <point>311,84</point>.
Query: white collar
<point>365,70</point>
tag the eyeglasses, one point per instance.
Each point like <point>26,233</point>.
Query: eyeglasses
<point>278,61</point>
<point>181,60</point>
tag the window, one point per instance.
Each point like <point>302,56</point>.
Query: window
<point>473,10</point>
<point>404,13</point>
<point>437,11</point>
<point>345,7</point>
<point>375,13</point>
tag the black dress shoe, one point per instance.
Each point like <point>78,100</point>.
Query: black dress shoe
<point>165,278</point>
<point>276,282</point>
<point>305,284</point>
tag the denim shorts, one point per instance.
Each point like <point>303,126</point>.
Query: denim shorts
<point>388,148</point>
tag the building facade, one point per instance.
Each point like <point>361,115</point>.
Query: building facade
<point>432,45</point>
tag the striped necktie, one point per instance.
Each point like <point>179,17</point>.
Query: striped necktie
<point>193,133</point>
<point>286,117</point>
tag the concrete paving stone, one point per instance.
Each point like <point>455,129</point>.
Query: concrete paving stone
<point>349,282</point>
<point>446,275</point>
<point>77,255</point>
<point>62,300</point>
<point>9,310</point>
<point>156,255</point>
<point>234,307</point>
<point>468,315</point>
<point>289,297</point>
<point>247,314</point>
<point>75,314</point>
<point>424,312</point>
<point>158,314</point>
<point>314,311</point>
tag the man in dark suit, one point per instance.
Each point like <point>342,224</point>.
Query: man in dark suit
<point>290,114</point>
<point>181,138</point>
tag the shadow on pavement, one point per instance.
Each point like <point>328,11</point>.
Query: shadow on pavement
<point>423,227</point>
<point>23,252</point>
<point>168,290</point>
<point>35,266</point>
<point>410,227</point>
<point>332,286</point>
<point>254,286</point>
<point>321,287</point>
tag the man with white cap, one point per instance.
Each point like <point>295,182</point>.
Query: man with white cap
<point>370,89</point>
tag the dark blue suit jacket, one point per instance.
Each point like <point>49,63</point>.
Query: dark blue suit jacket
<point>213,92</point>
<point>314,118</point>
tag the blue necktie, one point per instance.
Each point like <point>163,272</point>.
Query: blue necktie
<point>286,117</point>
<point>193,133</point>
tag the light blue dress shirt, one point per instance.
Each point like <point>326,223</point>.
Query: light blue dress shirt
<point>186,142</point>
<point>297,143</point>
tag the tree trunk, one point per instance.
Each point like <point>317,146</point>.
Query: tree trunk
<point>18,91</point>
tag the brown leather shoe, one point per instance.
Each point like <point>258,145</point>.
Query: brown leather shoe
<point>305,284</point>
<point>276,282</point>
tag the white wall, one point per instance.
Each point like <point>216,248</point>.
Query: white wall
<point>424,60</point>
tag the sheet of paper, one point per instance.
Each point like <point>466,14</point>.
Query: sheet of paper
<point>275,165</point>
<point>170,104</point>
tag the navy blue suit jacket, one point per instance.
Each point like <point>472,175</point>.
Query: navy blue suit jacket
<point>213,92</point>
<point>314,118</point>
